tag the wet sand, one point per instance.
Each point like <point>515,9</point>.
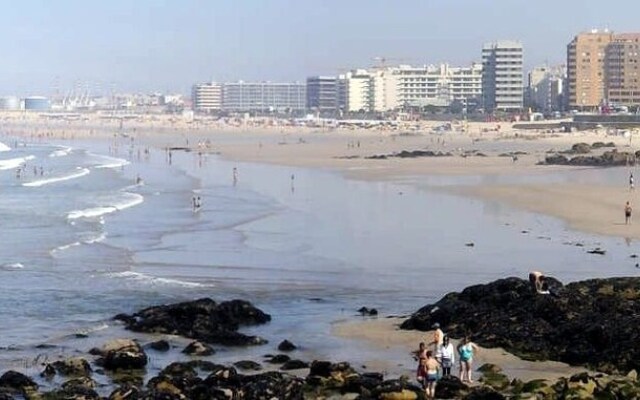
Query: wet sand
<point>383,333</point>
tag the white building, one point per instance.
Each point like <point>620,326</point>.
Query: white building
<point>385,89</point>
<point>502,87</point>
<point>207,97</point>
<point>355,91</point>
<point>545,90</point>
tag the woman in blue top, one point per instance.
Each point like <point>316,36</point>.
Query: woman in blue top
<point>466,350</point>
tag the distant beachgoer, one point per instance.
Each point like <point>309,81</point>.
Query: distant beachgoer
<point>138,180</point>
<point>466,350</point>
<point>428,370</point>
<point>445,356</point>
<point>631,186</point>
<point>438,336</point>
<point>627,213</point>
<point>421,352</point>
<point>235,175</point>
<point>538,284</point>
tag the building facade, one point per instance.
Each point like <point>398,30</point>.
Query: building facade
<point>502,86</point>
<point>621,70</point>
<point>322,94</point>
<point>207,97</point>
<point>264,97</point>
<point>585,69</point>
<point>545,89</point>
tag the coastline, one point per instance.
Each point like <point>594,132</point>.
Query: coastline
<point>266,148</point>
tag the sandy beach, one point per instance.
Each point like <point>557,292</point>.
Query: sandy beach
<point>594,208</point>
<point>384,333</point>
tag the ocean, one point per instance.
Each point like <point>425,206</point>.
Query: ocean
<point>82,241</point>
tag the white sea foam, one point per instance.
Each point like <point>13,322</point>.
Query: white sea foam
<point>100,238</point>
<point>128,200</point>
<point>64,151</point>
<point>137,276</point>
<point>111,162</point>
<point>80,173</point>
<point>12,266</point>
<point>13,163</point>
<point>4,147</point>
<point>65,247</point>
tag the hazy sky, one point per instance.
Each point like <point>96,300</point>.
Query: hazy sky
<point>146,45</point>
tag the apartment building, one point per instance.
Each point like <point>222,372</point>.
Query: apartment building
<point>622,70</point>
<point>322,94</point>
<point>264,97</point>
<point>545,89</point>
<point>502,86</point>
<point>207,97</point>
<point>585,69</point>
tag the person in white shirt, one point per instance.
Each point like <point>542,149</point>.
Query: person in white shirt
<point>445,356</point>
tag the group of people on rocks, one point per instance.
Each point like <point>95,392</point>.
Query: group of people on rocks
<point>437,357</point>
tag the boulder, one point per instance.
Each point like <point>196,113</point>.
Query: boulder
<point>450,387</point>
<point>484,393</point>
<point>294,364</point>
<point>197,348</point>
<point>203,320</point>
<point>248,365</point>
<point>16,381</point>
<point>123,354</point>
<point>72,366</point>
<point>279,359</point>
<point>125,392</point>
<point>286,345</point>
<point>590,323</point>
<point>160,345</point>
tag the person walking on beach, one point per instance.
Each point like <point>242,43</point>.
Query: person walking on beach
<point>445,356</point>
<point>466,350</point>
<point>428,369</point>
<point>235,176</point>
<point>631,185</point>
<point>627,213</point>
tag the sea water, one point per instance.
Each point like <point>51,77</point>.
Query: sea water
<point>84,240</point>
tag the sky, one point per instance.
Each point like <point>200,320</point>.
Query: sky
<point>49,46</point>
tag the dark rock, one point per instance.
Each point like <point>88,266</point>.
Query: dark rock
<point>362,384</point>
<point>160,345</point>
<point>48,372</point>
<point>279,359</point>
<point>203,320</point>
<point>607,159</point>
<point>123,354</point>
<point>450,387</point>
<point>248,365</point>
<point>294,364</point>
<point>94,351</point>
<point>591,323</point>
<point>286,345</point>
<point>410,154</point>
<point>17,381</point>
<point>272,385</point>
<point>397,389</point>
<point>73,393</point>
<point>483,393</point>
<point>72,366</point>
<point>469,244</point>
<point>368,311</point>
<point>321,368</point>
<point>84,382</point>
<point>580,148</point>
<point>597,250</point>
<point>197,348</point>
<point>126,392</point>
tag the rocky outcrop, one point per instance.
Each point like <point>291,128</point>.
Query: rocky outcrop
<point>122,354</point>
<point>75,366</point>
<point>286,345</point>
<point>591,323</point>
<point>197,348</point>
<point>611,158</point>
<point>410,154</point>
<point>203,320</point>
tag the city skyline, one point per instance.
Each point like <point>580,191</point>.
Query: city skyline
<point>166,46</point>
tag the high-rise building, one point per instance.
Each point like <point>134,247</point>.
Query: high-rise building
<point>207,97</point>
<point>356,89</point>
<point>545,90</point>
<point>621,70</point>
<point>322,94</point>
<point>585,69</point>
<point>264,97</point>
<point>502,88</point>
